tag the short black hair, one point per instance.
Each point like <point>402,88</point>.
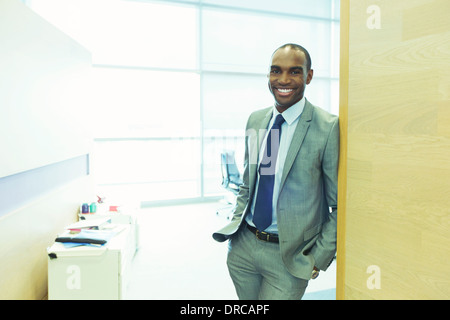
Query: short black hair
<point>300,48</point>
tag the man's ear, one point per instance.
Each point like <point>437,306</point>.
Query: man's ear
<point>309,76</point>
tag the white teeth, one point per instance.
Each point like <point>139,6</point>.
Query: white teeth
<point>285,90</point>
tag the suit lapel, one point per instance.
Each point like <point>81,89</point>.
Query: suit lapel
<point>297,140</point>
<point>262,130</point>
<point>255,147</point>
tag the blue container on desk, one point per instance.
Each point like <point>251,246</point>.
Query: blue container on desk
<point>84,208</point>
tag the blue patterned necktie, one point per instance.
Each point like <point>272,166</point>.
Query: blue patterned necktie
<point>262,216</point>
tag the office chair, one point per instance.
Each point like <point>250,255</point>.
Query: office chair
<point>231,180</point>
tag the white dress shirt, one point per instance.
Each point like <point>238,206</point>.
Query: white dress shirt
<point>291,117</point>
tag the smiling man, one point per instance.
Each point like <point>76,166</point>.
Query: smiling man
<point>283,229</point>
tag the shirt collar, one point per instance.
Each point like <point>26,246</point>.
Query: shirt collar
<point>292,113</point>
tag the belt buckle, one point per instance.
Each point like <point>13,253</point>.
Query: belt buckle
<point>260,234</point>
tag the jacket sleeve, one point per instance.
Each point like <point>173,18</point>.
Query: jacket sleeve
<point>324,248</point>
<point>241,201</point>
<point>242,198</point>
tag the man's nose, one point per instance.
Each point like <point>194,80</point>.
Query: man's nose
<point>284,79</point>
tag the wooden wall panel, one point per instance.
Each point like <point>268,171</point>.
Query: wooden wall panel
<point>26,233</point>
<point>396,188</point>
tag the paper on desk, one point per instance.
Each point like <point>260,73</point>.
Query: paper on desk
<point>99,223</point>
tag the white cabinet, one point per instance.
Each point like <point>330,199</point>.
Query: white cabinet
<point>86,272</point>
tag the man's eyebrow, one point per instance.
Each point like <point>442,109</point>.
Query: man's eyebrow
<point>292,68</point>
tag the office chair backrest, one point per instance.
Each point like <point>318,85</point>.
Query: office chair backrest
<point>231,177</point>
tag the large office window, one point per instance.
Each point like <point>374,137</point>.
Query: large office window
<point>173,82</point>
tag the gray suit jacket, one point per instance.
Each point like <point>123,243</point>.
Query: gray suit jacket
<point>308,190</point>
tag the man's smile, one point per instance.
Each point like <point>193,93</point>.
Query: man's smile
<point>284,92</point>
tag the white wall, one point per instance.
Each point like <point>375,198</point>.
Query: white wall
<point>43,92</point>
<point>44,125</point>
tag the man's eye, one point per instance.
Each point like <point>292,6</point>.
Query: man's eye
<point>275,71</point>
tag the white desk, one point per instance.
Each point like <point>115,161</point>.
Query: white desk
<point>97,273</point>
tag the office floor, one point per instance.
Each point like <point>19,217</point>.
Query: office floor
<point>178,259</point>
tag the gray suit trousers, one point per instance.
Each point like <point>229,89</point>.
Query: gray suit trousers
<point>258,272</point>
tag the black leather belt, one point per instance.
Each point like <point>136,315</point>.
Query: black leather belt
<point>264,236</point>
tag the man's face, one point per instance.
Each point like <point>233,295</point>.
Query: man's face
<point>288,77</point>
